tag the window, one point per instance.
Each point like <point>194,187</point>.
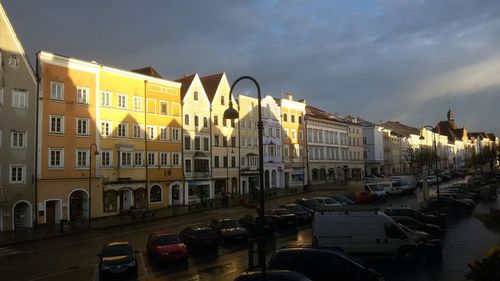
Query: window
<point>56,158</point>
<point>224,142</point>
<point>285,151</point>
<point>242,161</point>
<point>175,134</point>
<point>151,158</point>
<point>364,140</point>
<point>19,98</point>
<point>196,121</point>
<point>233,141</point>
<point>110,201</point>
<point>195,96</point>
<point>163,158</point>
<point>292,117</point>
<point>252,161</point>
<point>233,161</point>
<point>175,159</point>
<point>187,165</point>
<point>105,98</point>
<point>269,132</point>
<point>216,161</point>
<point>81,158</point>
<point>122,130</point>
<point>272,150</point>
<point>105,128</point>
<point>125,159</point>
<point>216,140</point>
<point>122,101</point>
<point>106,158</point>
<point>201,165</point>
<point>56,124</point>
<point>16,174</point>
<point>205,122</point>
<point>138,132</point>
<point>186,119</point>
<point>224,161</point>
<point>249,142</point>
<point>285,117</point>
<point>163,107</point>
<point>300,119</point>
<point>17,139</point>
<point>13,62</point>
<point>152,132</point>
<point>197,143</point>
<point>163,133</point>
<point>137,103</point>
<point>224,122</point>
<point>286,132</point>
<point>301,135</point>
<point>222,102</point>
<point>293,134</point>
<point>138,159</point>
<point>216,120</point>
<point>82,126</point>
<point>205,144</point>
<point>82,95</point>
<point>187,142</point>
<point>56,91</point>
<point>155,193</point>
<point>243,142</point>
<point>278,132</point>
<point>232,123</point>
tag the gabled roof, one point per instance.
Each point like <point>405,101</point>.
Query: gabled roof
<point>210,84</point>
<point>149,71</point>
<point>313,112</point>
<point>445,128</point>
<point>491,136</point>
<point>186,83</point>
<point>460,133</point>
<point>401,129</point>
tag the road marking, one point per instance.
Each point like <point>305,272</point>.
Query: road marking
<point>144,267</point>
<point>8,252</point>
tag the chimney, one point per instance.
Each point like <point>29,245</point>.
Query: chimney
<point>289,96</point>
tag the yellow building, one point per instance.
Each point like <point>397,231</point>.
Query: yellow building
<point>126,123</point>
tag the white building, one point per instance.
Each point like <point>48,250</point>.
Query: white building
<point>273,161</point>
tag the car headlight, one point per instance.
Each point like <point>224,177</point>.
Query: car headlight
<point>104,267</point>
<point>130,264</point>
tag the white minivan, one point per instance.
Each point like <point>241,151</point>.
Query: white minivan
<point>370,233</point>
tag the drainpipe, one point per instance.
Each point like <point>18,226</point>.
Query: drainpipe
<point>36,140</point>
<point>146,144</point>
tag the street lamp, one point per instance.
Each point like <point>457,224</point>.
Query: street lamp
<point>90,178</point>
<point>232,113</point>
<point>436,160</point>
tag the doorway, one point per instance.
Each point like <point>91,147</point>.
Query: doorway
<point>126,197</point>
<point>52,211</point>
<point>22,215</point>
<point>78,205</point>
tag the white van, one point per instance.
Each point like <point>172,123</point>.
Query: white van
<point>391,187</point>
<point>370,233</point>
<point>377,191</point>
<point>408,182</point>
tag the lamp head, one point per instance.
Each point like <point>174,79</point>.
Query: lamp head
<point>231,113</point>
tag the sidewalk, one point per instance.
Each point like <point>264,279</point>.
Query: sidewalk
<point>50,231</point>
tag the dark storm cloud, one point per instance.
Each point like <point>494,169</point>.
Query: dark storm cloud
<point>380,59</point>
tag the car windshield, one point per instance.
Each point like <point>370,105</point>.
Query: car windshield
<point>204,233</point>
<point>296,208</point>
<point>167,240</point>
<point>229,224</point>
<point>116,250</point>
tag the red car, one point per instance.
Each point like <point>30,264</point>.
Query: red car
<point>363,197</point>
<point>166,246</point>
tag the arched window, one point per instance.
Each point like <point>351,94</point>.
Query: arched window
<point>186,119</point>
<point>273,179</point>
<point>205,122</point>
<point>222,100</point>
<point>155,193</point>
<point>196,121</point>
<point>195,95</point>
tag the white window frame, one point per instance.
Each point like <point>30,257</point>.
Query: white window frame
<point>61,158</point>
<point>118,130</point>
<point>86,121</point>
<point>125,100</point>
<point>56,95</point>
<point>14,62</point>
<point>163,156</point>
<point>61,118</point>
<point>137,103</point>
<point>77,151</point>
<point>141,131</point>
<point>108,129</point>
<point>15,136</point>
<point>176,162</point>
<point>154,162</point>
<point>138,163</point>
<point>110,159</point>
<point>106,98</point>
<point>126,165</point>
<point>286,151</point>
<point>19,99</point>
<point>82,95</point>
<point>176,133</point>
<point>149,131</point>
<point>23,174</point>
<point>301,135</point>
<point>162,102</point>
<point>163,133</point>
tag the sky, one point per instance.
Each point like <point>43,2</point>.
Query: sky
<point>381,60</point>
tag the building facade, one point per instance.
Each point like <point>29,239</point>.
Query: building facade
<point>373,148</point>
<point>294,142</point>
<point>356,161</point>
<point>17,131</point>
<point>273,160</point>
<point>109,139</point>
<point>249,147</point>
<point>197,146</point>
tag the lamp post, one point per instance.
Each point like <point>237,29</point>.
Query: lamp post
<point>232,114</point>
<point>436,160</point>
<point>90,178</point>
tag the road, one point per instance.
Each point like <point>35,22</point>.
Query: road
<point>74,257</point>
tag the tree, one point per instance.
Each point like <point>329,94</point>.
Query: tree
<point>417,158</point>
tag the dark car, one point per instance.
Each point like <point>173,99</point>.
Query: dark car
<point>229,230</point>
<point>282,218</point>
<point>342,199</point>
<point>272,275</point>
<point>117,259</point>
<point>449,205</point>
<point>320,264</point>
<point>166,246</point>
<point>412,213</point>
<point>364,197</point>
<point>301,215</point>
<point>200,237</point>
<point>310,205</point>
<point>414,224</point>
<point>251,224</point>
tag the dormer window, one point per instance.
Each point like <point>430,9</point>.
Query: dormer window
<point>13,62</point>
<point>222,102</point>
<point>195,95</point>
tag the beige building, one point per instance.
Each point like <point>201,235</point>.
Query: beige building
<point>225,152</point>
<point>17,131</point>
<point>356,161</point>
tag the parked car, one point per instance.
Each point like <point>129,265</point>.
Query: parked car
<point>117,259</point>
<point>311,205</point>
<point>448,205</point>
<point>364,197</point>
<point>457,197</point>
<point>411,223</point>
<point>327,201</point>
<point>391,187</point>
<point>251,224</point>
<point>301,215</point>
<point>166,246</point>
<point>378,192</point>
<point>282,218</point>
<point>320,264</point>
<point>412,213</point>
<point>272,275</point>
<point>342,199</point>
<point>199,237</point>
<point>229,230</point>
